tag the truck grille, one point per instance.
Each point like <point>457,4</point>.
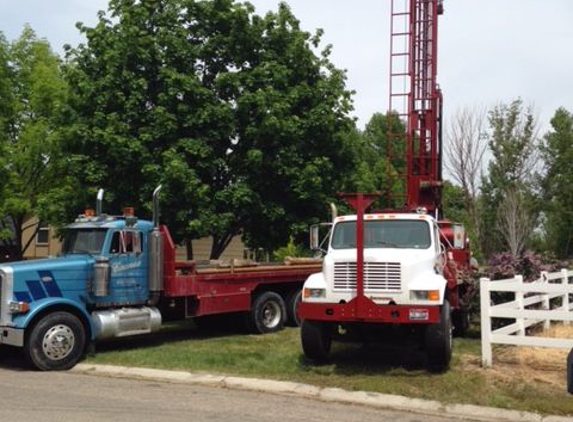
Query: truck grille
<point>378,276</point>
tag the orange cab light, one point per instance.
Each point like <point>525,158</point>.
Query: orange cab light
<point>434,295</point>
<point>89,213</point>
<point>128,212</point>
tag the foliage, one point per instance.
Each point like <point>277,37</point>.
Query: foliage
<point>378,157</point>
<point>290,250</point>
<point>529,265</point>
<point>233,113</point>
<point>33,96</point>
<point>453,202</point>
<point>556,184</point>
<point>512,142</point>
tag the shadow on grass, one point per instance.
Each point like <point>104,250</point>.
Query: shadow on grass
<point>13,357</point>
<point>371,358</point>
<point>200,329</point>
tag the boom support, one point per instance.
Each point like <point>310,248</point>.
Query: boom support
<point>416,99</point>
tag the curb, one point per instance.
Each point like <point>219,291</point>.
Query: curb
<point>371,399</point>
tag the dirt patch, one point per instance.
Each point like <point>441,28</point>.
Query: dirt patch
<point>531,364</point>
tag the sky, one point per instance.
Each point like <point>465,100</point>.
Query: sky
<point>490,51</point>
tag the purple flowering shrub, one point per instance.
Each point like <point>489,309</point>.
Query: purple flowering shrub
<point>529,265</point>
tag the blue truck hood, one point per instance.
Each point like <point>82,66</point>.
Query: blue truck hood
<point>58,277</point>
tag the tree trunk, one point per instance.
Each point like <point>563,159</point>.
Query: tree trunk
<point>18,221</point>
<point>189,248</point>
<point>220,244</point>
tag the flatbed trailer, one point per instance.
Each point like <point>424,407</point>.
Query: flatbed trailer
<point>201,290</point>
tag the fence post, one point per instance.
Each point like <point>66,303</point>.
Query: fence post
<point>565,282</point>
<point>486,358</point>
<point>545,301</point>
<point>519,299</point>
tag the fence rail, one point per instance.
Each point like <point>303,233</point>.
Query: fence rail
<point>550,294</point>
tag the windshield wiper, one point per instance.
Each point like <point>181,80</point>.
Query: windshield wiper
<point>387,244</point>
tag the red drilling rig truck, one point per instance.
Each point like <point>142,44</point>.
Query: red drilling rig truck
<point>400,268</point>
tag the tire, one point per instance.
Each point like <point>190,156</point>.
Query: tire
<point>461,322</point>
<point>438,341</point>
<point>268,314</point>
<point>316,339</point>
<point>56,342</point>
<point>292,303</point>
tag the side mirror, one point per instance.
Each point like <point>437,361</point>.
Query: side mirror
<point>459,236</point>
<point>316,243</point>
<point>314,237</point>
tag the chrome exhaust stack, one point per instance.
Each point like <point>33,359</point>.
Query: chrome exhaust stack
<point>155,250</point>
<point>156,206</point>
<point>333,211</point>
<point>99,201</point>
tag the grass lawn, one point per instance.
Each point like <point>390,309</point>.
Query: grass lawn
<point>352,367</point>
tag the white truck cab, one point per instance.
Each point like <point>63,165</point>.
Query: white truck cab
<point>379,269</point>
<point>403,262</point>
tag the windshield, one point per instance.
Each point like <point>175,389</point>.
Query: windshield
<point>82,241</point>
<point>410,234</point>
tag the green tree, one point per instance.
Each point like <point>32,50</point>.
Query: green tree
<point>378,158</point>
<point>507,190</point>
<point>557,184</point>
<point>33,95</point>
<point>233,112</point>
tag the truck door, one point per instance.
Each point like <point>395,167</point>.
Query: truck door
<point>128,281</point>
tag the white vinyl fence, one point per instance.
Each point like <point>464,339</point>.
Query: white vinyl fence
<point>539,302</point>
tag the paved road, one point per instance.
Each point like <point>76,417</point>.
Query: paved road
<point>62,396</point>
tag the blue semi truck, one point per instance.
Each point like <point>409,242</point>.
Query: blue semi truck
<point>117,276</point>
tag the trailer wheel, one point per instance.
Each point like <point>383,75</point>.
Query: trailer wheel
<point>268,313</point>
<point>438,341</point>
<point>56,342</point>
<point>316,339</point>
<point>293,302</point>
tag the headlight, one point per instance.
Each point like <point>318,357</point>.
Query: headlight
<point>432,295</point>
<point>314,293</point>
<point>19,307</point>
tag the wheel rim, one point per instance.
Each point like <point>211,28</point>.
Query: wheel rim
<point>58,342</point>
<point>271,314</point>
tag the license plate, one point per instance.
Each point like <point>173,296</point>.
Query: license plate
<point>419,315</point>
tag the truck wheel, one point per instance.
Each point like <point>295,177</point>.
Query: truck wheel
<point>438,341</point>
<point>293,301</point>
<point>56,342</point>
<point>316,339</point>
<point>268,313</point>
